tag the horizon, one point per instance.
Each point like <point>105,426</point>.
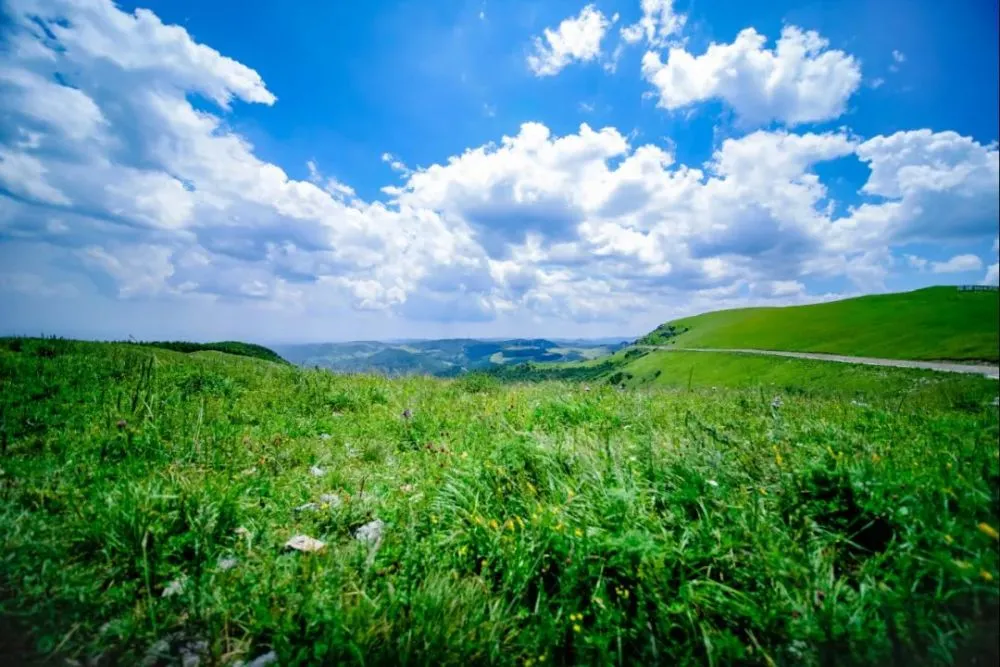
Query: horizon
<point>484,171</point>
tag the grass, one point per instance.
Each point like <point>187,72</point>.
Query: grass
<point>228,347</point>
<point>524,524</point>
<point>932,323</point>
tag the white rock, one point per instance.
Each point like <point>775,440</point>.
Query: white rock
<point>175,587</point>
<point>316,471</point>
<point>305,543</point>
<point>331,499</point>
<point>269,658</point>
<point>712,482</point>
<point>227,563</point>
<point>324,436</point>
<point>370,533</point>
<point>308,507</point>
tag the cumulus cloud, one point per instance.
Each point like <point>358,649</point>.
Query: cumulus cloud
<point>800,81</point>
<point>958,264</point>
<point>577,38</point>
<point>147,190</point>
<point>928,186</point>
<point>658,23</point>
<point>992,275</point>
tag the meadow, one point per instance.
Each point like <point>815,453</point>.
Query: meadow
<point>147,497</point>
<point>932,323</point>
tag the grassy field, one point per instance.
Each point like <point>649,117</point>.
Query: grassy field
<point>146,497</point>
<point>932,323</point>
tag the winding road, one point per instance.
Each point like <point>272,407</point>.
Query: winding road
<point>986,370</point>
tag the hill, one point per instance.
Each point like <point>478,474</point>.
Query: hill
<point>228,347</point>
<point>146,498</point>
<point>937,323</point>
<point>444,358</point>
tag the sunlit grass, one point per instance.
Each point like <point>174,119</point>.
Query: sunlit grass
<point>536,524</point>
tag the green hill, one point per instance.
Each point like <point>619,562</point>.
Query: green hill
<point>228,346</point>
<point>933,323</point>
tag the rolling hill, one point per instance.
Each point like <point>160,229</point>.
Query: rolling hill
<point>444,358</point>
<point>934,323</point>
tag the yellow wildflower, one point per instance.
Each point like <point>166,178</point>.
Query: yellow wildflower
<point>541,658</point>
<point>876,458</point>
<point>493,524</point>
<point>763,491</point>
<point>559,526</point>
<point>578,532</point>
<point>778,459</point>
<point>949,539</point>
<point>462,550</point>
<point>434,518</point>
<point>987,529</point>
<point>509,524</point>
<point>576,627</point>
<point>985,575</point>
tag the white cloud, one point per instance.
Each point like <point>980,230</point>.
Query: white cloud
<point>898,56</point>
<point>658,23</point>
<point>918,263</point>
<point>799,81</point>
<point>958,264</point>
<point>154,196</point>
<point>932,186</point>
<point>992,276</point>
<point>578,38</point>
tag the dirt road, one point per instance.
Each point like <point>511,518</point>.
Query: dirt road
<point>986,370</point>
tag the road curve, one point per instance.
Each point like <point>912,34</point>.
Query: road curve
<point>985,370</point>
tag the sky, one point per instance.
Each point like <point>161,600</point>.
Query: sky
<point>334,170</point>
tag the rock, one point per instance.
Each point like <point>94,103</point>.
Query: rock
<point>305,543</point>
<point>324,436</point>
<point>331,499</point>
<point>175,587</point>
<point>370,533</point>
<point>308,507</point>
<point>407,414</point>
<point>316,471</point>
<point>226,564</point>
<point>192,652</point>
<point>269,658</point>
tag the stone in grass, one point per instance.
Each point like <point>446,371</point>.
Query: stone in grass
<point>265,660</point>
<point>308,507</point>
<point>316,471</point>
<point>175,587</point>
<point>226,564</point>
<point>305,543</point>
<point>331,499</point>
<point>370,533</point>
<point>190,651</point>
<point>324,436</point>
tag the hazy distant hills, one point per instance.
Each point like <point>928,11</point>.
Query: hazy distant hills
<point>443,357</point>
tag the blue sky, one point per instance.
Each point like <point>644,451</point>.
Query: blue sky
<point>334,170</point>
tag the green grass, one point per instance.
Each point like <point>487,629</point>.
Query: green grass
<point>932,323</point>
<point>526,524</point>
<point>228,347</point>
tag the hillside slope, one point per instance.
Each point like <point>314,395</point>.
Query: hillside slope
<point>931,323</point>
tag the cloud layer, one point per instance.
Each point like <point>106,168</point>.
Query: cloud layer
<point>116,157</point>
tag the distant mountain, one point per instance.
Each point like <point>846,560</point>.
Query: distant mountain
<point>447,357</point>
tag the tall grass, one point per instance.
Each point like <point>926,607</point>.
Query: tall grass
<point>537,524</point>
